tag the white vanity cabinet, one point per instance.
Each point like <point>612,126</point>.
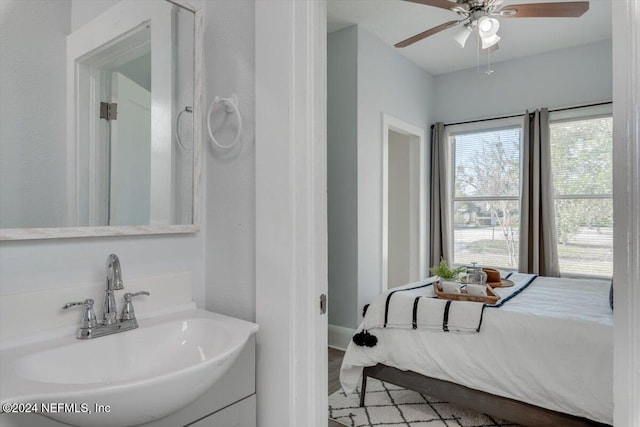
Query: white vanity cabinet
<point>231,402</point>
<point>239,414</point>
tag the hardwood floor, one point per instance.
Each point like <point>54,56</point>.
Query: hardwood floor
<point>335,360</point>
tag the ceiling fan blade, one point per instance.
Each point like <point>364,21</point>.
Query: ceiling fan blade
<point>425,34</point>
<point>571,9</point>
<point>443,4</point>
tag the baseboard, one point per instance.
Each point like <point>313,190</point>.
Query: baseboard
<point>339,336</point>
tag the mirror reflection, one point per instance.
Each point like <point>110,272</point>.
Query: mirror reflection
<point>96,113</point>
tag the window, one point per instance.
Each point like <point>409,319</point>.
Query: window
<point>486,197</point>
<point>486,191</point>
<point>581,157</point>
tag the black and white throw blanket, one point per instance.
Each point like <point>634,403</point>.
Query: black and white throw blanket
<point>415,306</point>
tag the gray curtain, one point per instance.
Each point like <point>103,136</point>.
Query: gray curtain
<point>440,218</point>
<point>538,240</point>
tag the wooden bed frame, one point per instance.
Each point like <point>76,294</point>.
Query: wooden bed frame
<point>502,407</point>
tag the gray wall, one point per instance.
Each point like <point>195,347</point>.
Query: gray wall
<point>386,82</point>
<point>84,11</point>
<point>230,197</point>
<point>561,78</point>
<point>32,191</point>
<point>342,176</point>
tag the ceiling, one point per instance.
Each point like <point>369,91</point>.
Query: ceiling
<point>394,20</point>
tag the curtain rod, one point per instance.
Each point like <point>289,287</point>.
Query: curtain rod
<point>522,114</point>
<point>596,104</point>
<point>484,120</point>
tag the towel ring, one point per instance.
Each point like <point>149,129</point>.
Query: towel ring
<point>186,109</point>
<point>231,106</point>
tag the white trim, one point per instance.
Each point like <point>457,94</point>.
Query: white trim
<point>340,337</point>
<point>390,123</point>
<point>291,212</point>
<point>578,113</point>
<point>198,50</point>
<point>626,199</point>
<point>72,232</point>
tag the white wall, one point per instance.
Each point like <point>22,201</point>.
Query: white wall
<point>31,265</point>
<point>566,77</point>
<point>230,197</point>
<point>31,190</point>
<point>387,83</point>
<point>342,176</point>
<point>83,11</point>
<point>49,264</point>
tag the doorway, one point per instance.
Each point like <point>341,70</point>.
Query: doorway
<point>403,203</point>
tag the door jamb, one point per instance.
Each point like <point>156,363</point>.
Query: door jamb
<point>390,123</point>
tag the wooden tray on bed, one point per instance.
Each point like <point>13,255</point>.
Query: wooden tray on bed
<point>491,297</point>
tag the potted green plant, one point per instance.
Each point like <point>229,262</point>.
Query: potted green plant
<point>447,275</point>
<point>445,272</point>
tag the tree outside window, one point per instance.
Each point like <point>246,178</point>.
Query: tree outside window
<point>581,157</point>
<point>486,202</point>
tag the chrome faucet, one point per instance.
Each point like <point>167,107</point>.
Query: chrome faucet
<point>114,283</point>
<point>89,326</point>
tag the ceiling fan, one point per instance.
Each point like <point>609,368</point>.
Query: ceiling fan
<point>478,16</point>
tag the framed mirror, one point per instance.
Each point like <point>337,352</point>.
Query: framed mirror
<point>100,118</point>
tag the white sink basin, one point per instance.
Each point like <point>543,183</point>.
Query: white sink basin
<point>138,376</point>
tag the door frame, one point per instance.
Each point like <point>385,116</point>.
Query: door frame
<point>626,215</point>
<point>390,123</point>
<point>291,212</point>
<point>84,45</point>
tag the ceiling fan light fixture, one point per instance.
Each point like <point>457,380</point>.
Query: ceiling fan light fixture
<point>491,49</point>
<point>487,42</point>
<point>488,27</point>
<point>462,35</point>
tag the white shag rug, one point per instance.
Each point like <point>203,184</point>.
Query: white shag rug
<point>388,405</point>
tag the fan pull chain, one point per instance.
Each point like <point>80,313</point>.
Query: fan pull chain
<point>489,70</point>
<point>478,43</point>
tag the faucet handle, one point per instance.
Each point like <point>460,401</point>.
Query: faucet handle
<point>137,294</point>
<point>89,315</point>
<point>127,311</point>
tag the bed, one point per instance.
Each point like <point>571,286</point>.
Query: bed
<point>542,356</point>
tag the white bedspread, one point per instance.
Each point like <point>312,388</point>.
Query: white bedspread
<point>551,346</point>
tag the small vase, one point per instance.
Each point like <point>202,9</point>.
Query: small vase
<point>450,286</point>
